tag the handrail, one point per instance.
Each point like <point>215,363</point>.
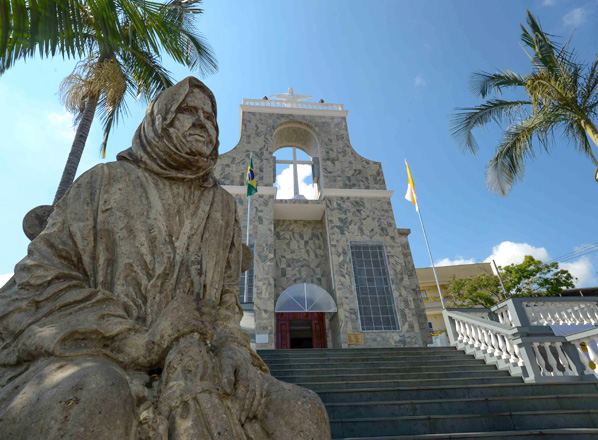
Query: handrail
<point>532,352</point>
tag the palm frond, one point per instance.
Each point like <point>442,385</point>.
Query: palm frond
<point>589,89</point>
<point>577,135</point>
<point>508,164</point>
<point>463,123</point>
<point>539,41</point>
<point>483,83</point>
<point>145,73</point>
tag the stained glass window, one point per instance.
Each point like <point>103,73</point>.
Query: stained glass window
<point>377,311</point>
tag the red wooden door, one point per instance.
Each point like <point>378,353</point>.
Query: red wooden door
<point>283,328</point>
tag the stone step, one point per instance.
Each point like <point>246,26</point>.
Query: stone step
<point>496,422</point>
<point>455,391</point>
<point>367,356</point>
<point>319,376</point>
<point>549,402</point>
<point>543,434</point>
<point>373,363</point>
<point>280,371</point>
<point>352,351</point>
<point>319,386</point>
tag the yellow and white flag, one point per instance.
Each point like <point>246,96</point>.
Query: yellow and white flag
<point>411,194</point>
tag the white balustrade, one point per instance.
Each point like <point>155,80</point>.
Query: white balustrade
<point>292,104</point>
<point>561,312</point>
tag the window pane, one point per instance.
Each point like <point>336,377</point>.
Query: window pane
<point>372,282</point>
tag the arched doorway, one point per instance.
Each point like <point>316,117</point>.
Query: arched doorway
<point>300,319</point>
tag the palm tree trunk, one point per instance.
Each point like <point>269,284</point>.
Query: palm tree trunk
<point>591,130</point>
<point>72,163</point>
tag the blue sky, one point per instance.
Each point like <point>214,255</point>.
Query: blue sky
<point>400,68</point>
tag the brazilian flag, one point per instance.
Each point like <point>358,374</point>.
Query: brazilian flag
<point>251,185</point>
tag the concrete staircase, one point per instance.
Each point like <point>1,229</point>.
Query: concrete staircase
<point>434,393</point>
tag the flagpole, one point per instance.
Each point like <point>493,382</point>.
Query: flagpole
<point>429,253</point>
<point>248,217</point>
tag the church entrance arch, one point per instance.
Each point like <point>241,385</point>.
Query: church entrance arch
<point>300,319</point>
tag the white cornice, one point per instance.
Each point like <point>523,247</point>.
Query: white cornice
<point>242,189</point>
<point>342,192</point>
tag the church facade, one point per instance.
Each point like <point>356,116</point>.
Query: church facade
<point>330,271</point>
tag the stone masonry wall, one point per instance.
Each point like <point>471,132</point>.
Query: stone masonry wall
<point>300,254</point>
<point>372,219</point>
<point>341,166</point>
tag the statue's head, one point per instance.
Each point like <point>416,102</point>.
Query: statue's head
<point>186,113</point>
<point>178,137</point>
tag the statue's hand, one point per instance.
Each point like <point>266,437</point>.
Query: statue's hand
<point>184,315</point>
<point>241,379</point>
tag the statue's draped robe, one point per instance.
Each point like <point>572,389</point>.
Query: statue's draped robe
<point>119,246</point>
<point>114,254</point>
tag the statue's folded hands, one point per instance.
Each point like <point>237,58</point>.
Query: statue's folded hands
<point>241,379</point>
<point>182,316</point>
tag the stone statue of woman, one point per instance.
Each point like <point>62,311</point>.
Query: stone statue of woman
<point>124,321</point>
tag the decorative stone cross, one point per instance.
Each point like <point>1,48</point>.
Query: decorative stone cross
<point>290,97</point>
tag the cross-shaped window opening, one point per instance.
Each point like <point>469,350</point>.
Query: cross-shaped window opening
<point>301,170</point>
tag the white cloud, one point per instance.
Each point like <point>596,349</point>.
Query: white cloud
<point>456,262</point>
<point>576,17</point>
<point>63,124</point>
<point>508,252</point>
<point>419,81</point>
<point>284,182</point>
<point>4,278</point>
<point>583,270</point>
<point>549,2</point>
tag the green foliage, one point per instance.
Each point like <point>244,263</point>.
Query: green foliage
<point>530,278</point>
<point>560,94</point>
<point>482,290</point>
<point>124,37</point>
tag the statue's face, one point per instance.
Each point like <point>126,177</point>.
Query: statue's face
<point>195,124</point>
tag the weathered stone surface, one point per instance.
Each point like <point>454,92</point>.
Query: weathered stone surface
<point>124,318</point>
<point>36,220</point>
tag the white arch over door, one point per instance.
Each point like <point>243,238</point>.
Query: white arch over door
<point>305,297</point>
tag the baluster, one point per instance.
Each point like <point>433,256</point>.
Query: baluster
<point>505,353</point>
<point>582,350</point>
<point>510,318</point>
<point>540,359</point>
<point>501,345</point>
<point>467,339</point>
<point>501,319</point>
<point>517,353</point>
<point>593,314</point>
<point>486,345</point>
<point>577,318</point>
<point>544,313</point>
<point>495,346</point>
<point>568,313</point>
<point>553,313</point>
<point>530,310</point>
<point>590,344</point>
<point>585,312</point>
<point>476,339</point>
<point>511,349</point>
<point>562,359</point>
<point>552,360</point>
<point>459,328</point>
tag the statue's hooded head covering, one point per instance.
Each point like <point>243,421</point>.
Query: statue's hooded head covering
<point>157,151</point>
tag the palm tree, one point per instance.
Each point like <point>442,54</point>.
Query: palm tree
<point>559,94</point>
<point>121,42</point>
